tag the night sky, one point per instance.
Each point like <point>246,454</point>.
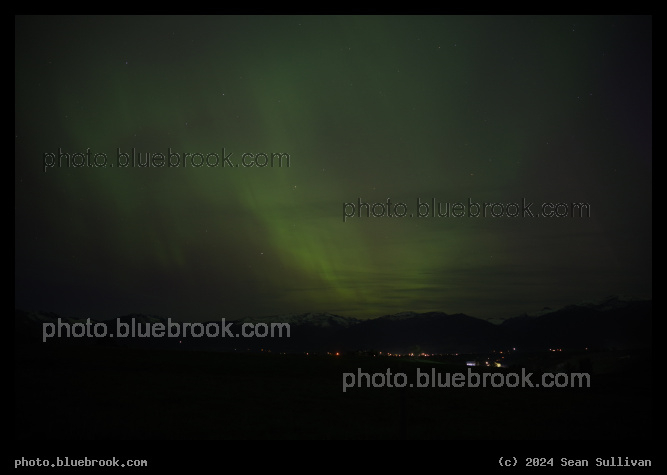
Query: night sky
<point>405,108</point>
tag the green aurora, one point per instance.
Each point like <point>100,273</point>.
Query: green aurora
<point>492,109</point>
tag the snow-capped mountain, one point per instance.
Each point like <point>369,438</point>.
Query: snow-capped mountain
<point>323,320</point>
<point>614,322</point>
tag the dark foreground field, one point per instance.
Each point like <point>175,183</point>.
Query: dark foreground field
<point>89,392</point>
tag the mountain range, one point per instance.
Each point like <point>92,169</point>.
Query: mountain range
<point>614,322</point>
